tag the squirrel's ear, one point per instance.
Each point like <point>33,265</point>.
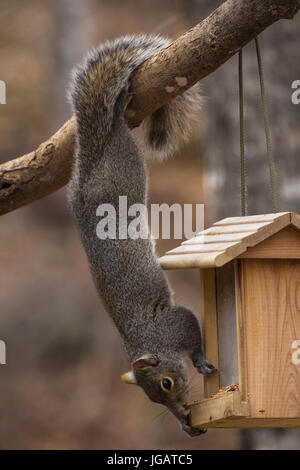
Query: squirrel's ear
<point>143,363</point>
<point>129,378</point>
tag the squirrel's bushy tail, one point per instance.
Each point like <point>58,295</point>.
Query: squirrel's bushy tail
<point>106,71</point>
<point>172,122</point>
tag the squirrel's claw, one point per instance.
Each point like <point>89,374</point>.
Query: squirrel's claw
<point>186,427</point>
<point>193,432</point>
<point>205,367</point>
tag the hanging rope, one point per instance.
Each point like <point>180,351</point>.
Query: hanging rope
<point>267,129</point>
<point>243,189</point>
<point>272,171</point>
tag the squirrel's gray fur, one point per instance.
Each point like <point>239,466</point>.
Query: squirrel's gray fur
<point>108,164</point>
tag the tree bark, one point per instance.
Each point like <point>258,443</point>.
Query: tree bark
<point>194,55</point>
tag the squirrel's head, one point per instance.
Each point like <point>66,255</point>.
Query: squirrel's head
<point>164,380</point>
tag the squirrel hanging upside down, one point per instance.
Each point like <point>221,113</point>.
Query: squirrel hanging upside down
<point>108,163</point>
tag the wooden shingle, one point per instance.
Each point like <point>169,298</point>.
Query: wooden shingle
<point>227,239</point>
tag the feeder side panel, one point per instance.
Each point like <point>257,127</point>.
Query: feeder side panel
<point>268,309</point>
<point>209,315</point>
<point>226,312</point>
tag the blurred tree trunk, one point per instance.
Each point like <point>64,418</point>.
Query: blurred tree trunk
<point>70,39</point>
<point>280,53</point>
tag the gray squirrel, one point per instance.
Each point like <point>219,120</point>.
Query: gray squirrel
<point>156,334</point>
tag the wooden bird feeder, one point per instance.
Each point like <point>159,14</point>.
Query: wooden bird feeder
<point>250,293</point>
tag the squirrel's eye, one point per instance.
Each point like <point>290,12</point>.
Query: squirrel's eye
<point>167,383</point>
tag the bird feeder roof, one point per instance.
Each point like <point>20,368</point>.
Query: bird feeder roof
<point>227,239</point>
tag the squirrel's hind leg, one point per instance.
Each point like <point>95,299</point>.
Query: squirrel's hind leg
<point>122,101</point>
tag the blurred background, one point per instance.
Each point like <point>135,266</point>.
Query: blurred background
<point>61,387</point>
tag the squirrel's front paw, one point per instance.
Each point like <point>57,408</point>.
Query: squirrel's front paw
<point>193,432</point>
<point>205,367</point>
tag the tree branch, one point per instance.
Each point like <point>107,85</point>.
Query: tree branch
<point>194,55</point>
